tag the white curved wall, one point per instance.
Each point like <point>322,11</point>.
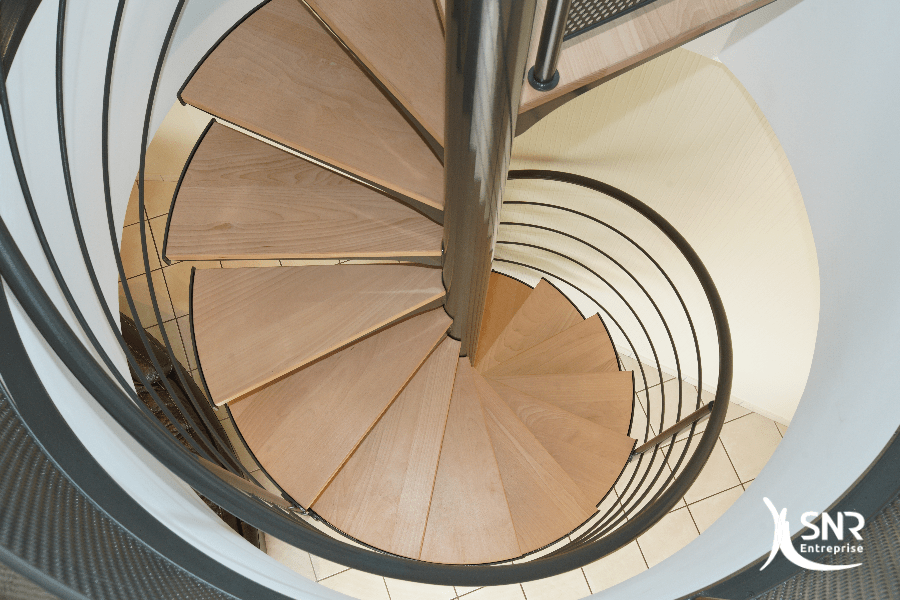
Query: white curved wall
<point>32,94</point>
<point>824,74</point>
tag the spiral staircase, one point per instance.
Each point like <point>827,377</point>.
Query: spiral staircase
<point>342,378</point>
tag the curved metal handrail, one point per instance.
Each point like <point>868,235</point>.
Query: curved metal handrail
<point>119,401</point>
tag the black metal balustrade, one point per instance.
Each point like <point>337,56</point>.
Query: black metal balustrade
<point>213,470</point>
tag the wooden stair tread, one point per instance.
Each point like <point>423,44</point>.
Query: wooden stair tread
<point>505,296</point>
<point>241,198</point>
<point>469,520</point>
<point>544,313</point>
<point>381,495</point>
<point>545,503</point>
<point>606,399</point>
<point>402,43</point>
<point>254,325</point>
<point>280,74</point>
<point>583,348</point>
<point>304,427</point>
<point>592,455</point>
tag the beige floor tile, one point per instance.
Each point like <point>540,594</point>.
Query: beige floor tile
<point>323,568</point>
<point>705,512</point>
<point>651,373</point>
<point>131,212</point>
<point>630,498</point>
<point>410,590</point>
<point>499,592</point>
<point>750,442</point>
<point>132,253</point>
<point>184,326</point>
<point>157,201</point>
<point>670,391</point>
<point>140,293</point>
<point>242,264</point>
<point>735,411</point>
<point>158,229</point>
<point>782,429</point>
<point>358,584</point>
<point>178,279</point>
<point>174,337</point>
<point>565,586</point>
<point>465,590</point>
<point>675,531</point>
<point>295,559</point>
<point>615,568</point>
<point>639,429</point>
<point>717,475</point>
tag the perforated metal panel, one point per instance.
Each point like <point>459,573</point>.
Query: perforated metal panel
<point>587,14</point>
<point>878,578</point>
<point>50,524</point>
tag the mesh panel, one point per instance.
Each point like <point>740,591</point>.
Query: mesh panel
<point>15,587</point>
<point>877,579</point>
<point>587,14</point>
<point>50,524</point>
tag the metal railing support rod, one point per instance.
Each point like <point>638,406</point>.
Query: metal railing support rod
<point>686,422</point>
<point>543,75</point>
<point>487,47</point>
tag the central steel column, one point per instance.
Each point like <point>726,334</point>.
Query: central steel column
<point>487,46</point>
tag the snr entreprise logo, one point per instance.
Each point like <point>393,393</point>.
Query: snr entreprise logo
<point>782,540</point>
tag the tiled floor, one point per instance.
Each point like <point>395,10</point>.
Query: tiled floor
<point>745,445</point>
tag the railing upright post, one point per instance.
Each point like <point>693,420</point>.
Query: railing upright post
<point>487,47</point>
<point>543,75</point>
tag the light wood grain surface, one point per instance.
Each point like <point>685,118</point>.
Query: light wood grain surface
<point>545,313</point>
<point>280,74</point>
<point>254,325</point>
<point>402,43</point>
<point>304,427</point>
<point>602,398</point>
<point>544,501</point>
<point>630,39</point>
<point>505,296</point>
<point>381,495</point>
<point>469,519</point>
<point>583,348</point>
<point>244,199</point>
<point>593,456</point>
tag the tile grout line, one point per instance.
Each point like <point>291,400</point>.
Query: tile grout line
<point>583,574</point>
<point>730,461</point>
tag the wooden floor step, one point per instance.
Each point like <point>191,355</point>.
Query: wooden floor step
<point>505,296</point>
<point>254,325</point>
<point>544,501</point>
<point>544,313</point>
<point>304,427</point>
<point>584,348</point>
<point>402,43</point>
<point>592,455</point>
<point>241,198</point>
<point>469,520</point>
<point>606,399</point>
<point>282,75</point>
<point>381,496</point>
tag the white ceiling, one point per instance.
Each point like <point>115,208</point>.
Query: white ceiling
<point>681,134</point>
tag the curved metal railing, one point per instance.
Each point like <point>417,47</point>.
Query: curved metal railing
<point>218,475</point>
